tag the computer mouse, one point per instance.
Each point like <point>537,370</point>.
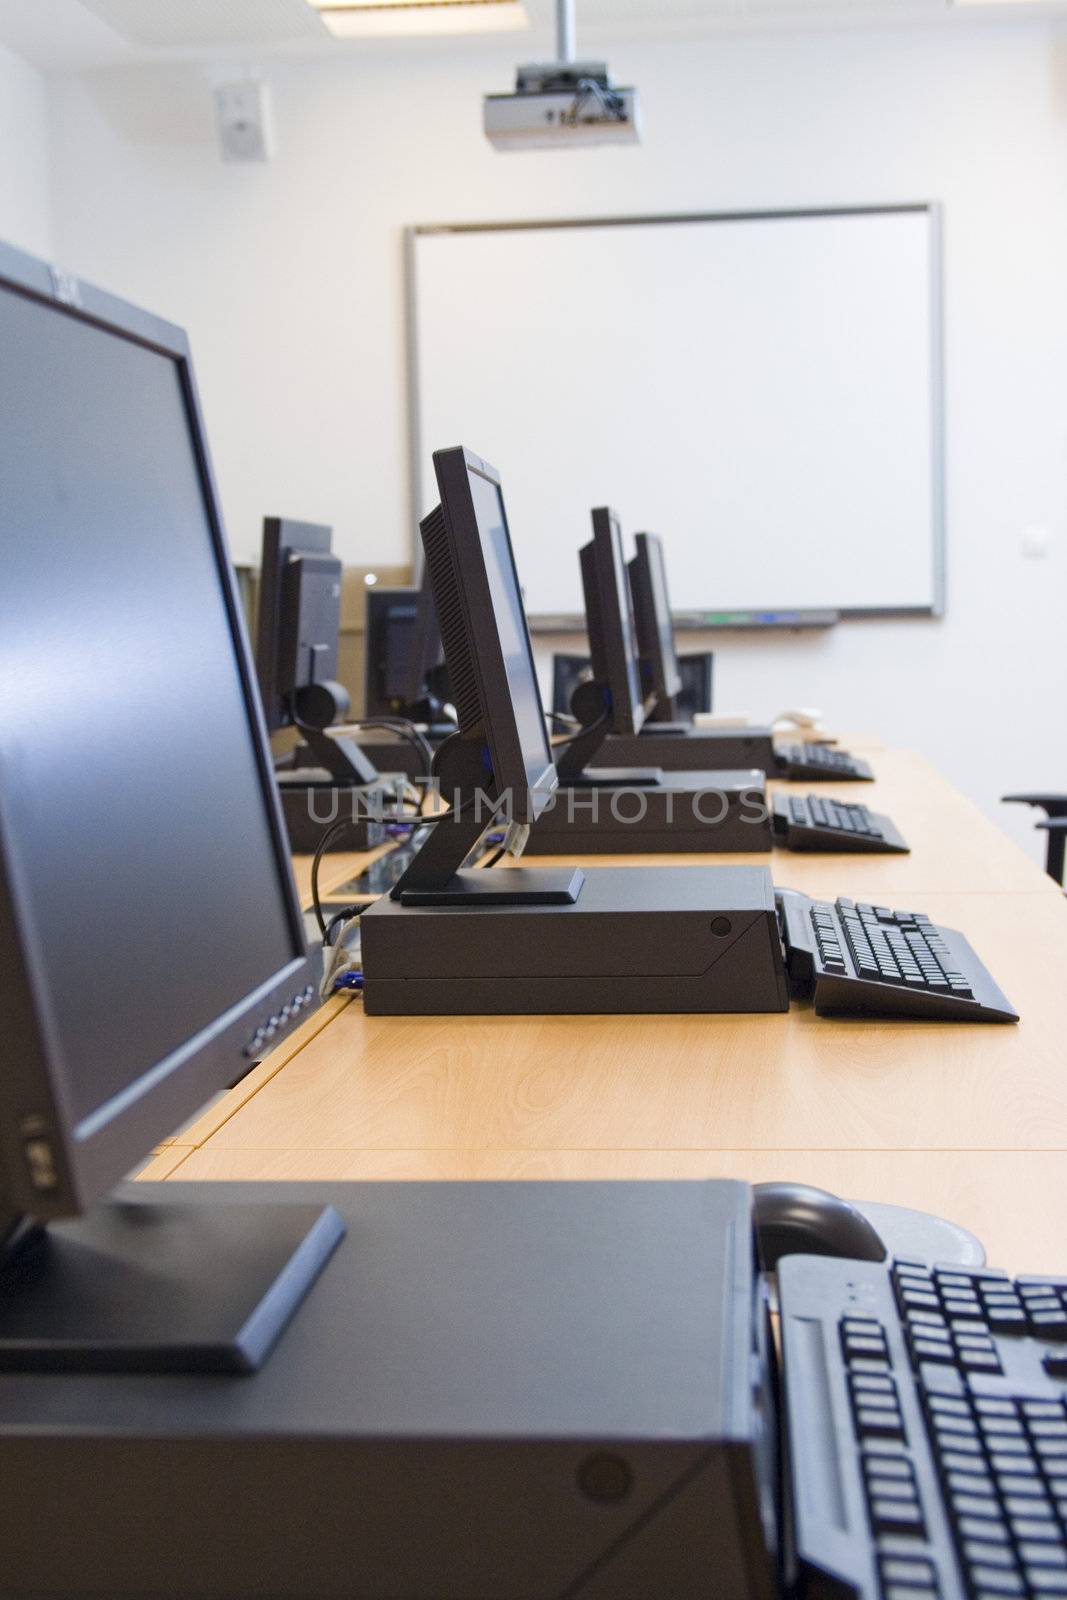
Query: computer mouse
<point>794,1219</point>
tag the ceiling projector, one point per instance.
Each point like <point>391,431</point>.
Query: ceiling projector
<point>562,104</point>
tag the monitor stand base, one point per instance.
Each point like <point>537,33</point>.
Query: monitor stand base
<point>159,1287</point>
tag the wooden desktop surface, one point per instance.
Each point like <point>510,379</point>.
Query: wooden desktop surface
<point>967,1120</point>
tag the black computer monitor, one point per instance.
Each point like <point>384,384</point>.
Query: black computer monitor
<point>499,763</point>
<point>652,616</point>
<point>405,673</point>
<point>610,699</point>
<point>390,627</point>
<point>150,935</point>
<point>425,651</point>
<point>297,641</point>
<point>299,617</point>
<point>471,566</point>
<point>610,625</point>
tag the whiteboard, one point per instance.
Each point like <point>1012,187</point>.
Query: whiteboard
<point>762,390</point>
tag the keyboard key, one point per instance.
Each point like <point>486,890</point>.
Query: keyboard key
<point>869,1383</point>
<point>1004,1465</point>
<point>908,1569</point>
<point>956,1461</point>
<point>984,1528</point>
<point>989,1581</point>
<point>955,1428</point>
<point>1043,1555</point>
<point>878,1402</point>
<point>969,1483</point>
<point>879,1424</point>
<point>1045,1582</point>
<point>979,1361</point>
<point>896,1516</point>
<point>943,1405</point>
<point>1007,1319</point>
<point>1027,1516</point>
<point>1016,1484</point>
<point>981,1553</point>
<point>973,1505</point>
<point>996,1428</point>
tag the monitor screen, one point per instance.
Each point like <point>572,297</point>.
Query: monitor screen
<point>610,622</point>
<point>666,668</point>
<point>626,612</point>
<point>136,824</point>
<point>514,637</point>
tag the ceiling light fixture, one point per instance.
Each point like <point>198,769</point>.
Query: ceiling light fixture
<point>355,19</point>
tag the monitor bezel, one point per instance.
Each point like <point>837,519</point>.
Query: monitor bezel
<point>647,619</point>
<point>92,1153</point>
<point>452,467</point>
<point>607,613</point>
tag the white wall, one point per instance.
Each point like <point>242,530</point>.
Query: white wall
<point>289,278</point>
<point>25,215</point>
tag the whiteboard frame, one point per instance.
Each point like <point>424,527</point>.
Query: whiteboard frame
<point>934,212</point>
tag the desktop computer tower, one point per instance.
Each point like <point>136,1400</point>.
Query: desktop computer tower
<point>495,1389</point>
<point>310,809</point>
<point>635,939</point>
<point>687,812</point>
<point>689,749</point>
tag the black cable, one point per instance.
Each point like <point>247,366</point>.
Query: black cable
<point>336,828</point>
<point>346,914</point>
<point>407,730</point>
<point>495,857</point>
<point>324,844</point>
<point>593,727</point>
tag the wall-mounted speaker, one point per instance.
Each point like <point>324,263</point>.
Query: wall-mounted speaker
<point>244,121</point>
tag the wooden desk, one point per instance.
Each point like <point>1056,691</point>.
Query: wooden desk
<point>968,1120</point>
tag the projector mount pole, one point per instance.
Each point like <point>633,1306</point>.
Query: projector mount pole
<point>566,32</point>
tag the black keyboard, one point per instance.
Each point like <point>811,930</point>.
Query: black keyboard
<point>927,1429</point>
<point>871,960</point>
<point>812,823</point>
<point>821,763</point>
